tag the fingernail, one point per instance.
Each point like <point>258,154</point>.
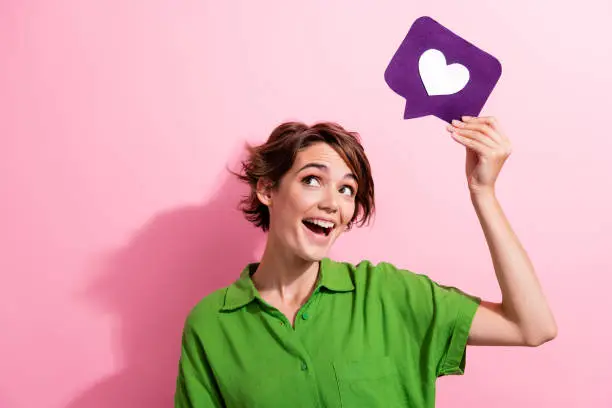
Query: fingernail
<point>456,122</point>
<point>450,128</point>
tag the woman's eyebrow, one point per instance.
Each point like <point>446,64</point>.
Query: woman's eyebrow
<point>325,169</point>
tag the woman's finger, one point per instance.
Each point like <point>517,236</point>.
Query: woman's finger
<point>491,121</point>
<point>475,145</point>
<point>481,127</point>
<point>475,135</point>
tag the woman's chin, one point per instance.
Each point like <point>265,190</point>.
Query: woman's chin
<point>314,253</point>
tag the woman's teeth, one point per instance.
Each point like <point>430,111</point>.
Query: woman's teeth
<point>319,226</point>
<point>321,223</point>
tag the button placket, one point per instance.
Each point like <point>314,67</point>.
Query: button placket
<point>304,314</point>
<point>283,320</point>
<point>276,314</point>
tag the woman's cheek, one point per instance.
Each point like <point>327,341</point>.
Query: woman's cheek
<point>348,211</point>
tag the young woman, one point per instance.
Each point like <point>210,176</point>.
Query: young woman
<point>298,329</point>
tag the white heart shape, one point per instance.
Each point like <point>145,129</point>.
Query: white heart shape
<point>439,78</point>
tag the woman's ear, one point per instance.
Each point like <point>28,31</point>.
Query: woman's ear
<point>264,191</point>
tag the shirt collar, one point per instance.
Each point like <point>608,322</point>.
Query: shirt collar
<point>334,276</point>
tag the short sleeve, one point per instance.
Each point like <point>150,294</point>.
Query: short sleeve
<point>454,311</point>
<point>195,385</point>
<point>438,317</point>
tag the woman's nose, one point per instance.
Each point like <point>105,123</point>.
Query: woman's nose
<point>329,202</point>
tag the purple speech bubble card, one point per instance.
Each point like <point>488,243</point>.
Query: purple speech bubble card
<point>440,73</point>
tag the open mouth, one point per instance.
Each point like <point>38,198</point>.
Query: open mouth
<point>319,228</point>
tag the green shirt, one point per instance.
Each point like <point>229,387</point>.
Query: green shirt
<point>369,336</point>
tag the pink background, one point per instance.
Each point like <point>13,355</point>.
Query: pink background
<point>117,214</point>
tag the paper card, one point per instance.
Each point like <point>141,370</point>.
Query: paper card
<point>440,73</point>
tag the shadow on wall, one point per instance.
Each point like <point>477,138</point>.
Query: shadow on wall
<point>151,284</point>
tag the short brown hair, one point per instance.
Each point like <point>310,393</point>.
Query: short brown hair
<point>276,156</point>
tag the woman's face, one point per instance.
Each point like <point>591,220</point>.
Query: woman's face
<point>313,204</point>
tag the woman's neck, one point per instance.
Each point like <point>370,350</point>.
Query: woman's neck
<point>285,277</point>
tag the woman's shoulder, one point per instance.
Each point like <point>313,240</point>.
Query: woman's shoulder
<point>391,274</point>
<point>384,277</point>
<point>402,286</point>
<point>207,307</point>
<point>369,269</point>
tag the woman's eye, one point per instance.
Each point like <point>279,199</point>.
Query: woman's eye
<point>347,190</point>
<point>309,181</point>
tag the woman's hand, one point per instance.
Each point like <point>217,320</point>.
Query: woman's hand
<point>487,149</point>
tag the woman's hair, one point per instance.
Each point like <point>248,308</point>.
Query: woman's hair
<point>276,156</point>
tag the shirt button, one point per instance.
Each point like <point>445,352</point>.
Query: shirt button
<point>304,366</point>
<point>305,316</point>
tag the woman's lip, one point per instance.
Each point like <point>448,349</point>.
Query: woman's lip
<point>317,237</point>
<point>321,219</point>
